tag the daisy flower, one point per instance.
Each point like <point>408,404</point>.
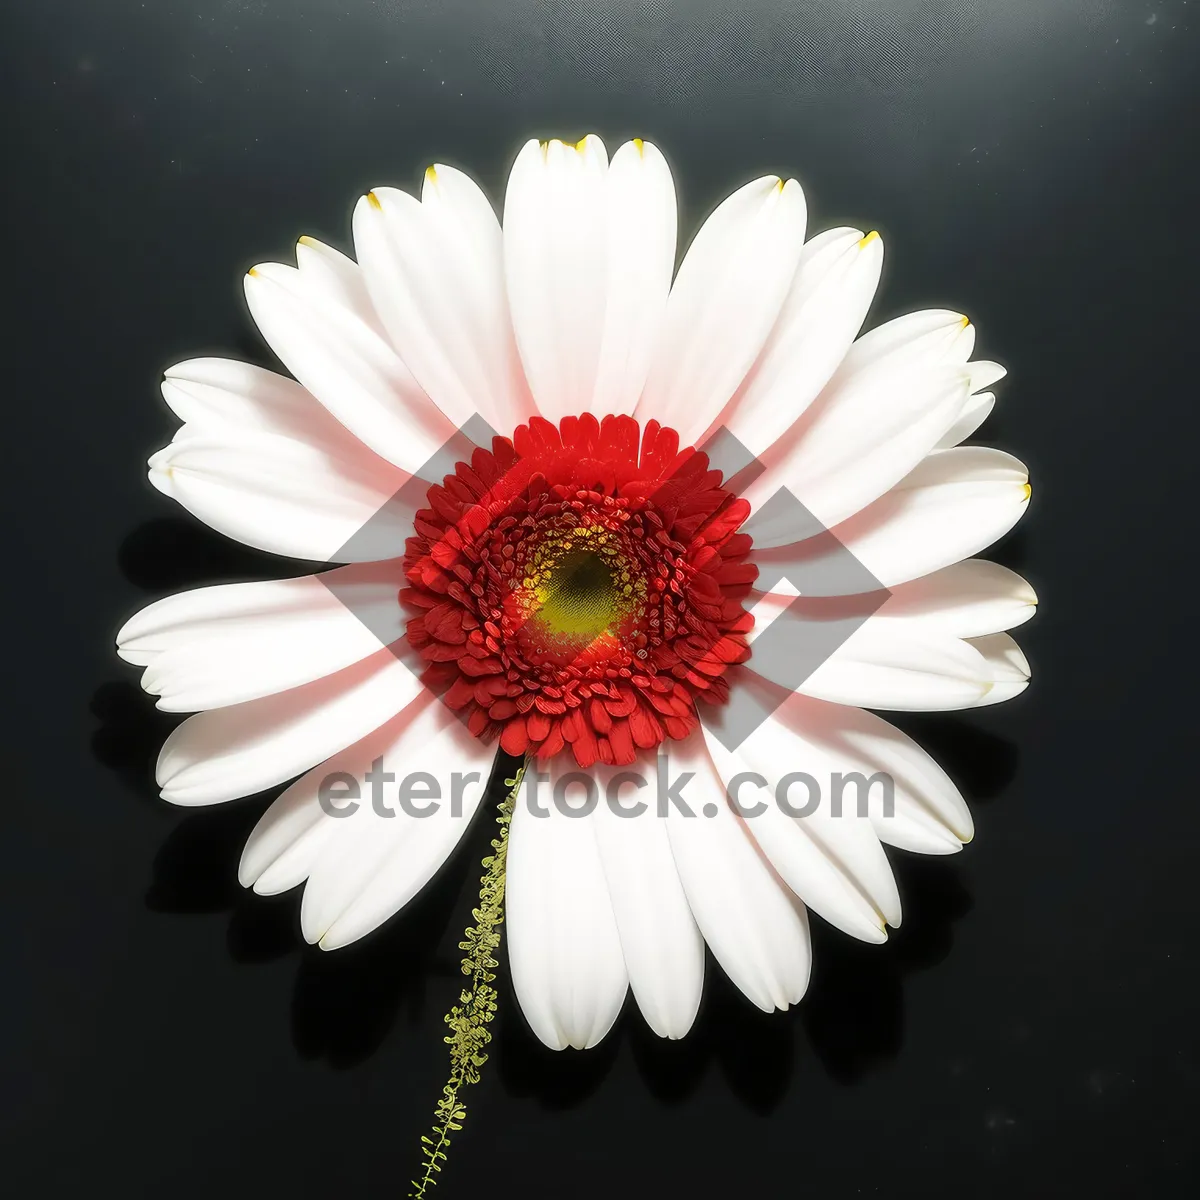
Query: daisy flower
<point>586,588</point>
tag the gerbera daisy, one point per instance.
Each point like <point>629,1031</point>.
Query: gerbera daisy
<point>580,589</point>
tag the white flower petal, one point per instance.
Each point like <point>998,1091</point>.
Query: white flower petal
<point>457,203</point>
<point>434,268</point>
<point>641,226</point>
<point>968,599</point>
<point>564,949</point>
<point>663,949</point>
<point>931,336</point>
<point>283,847</point>
<point>727,296</point>
<point>954,504</point>
<point>976,410</point>
<point>244,748</point>
<point>835,864</point>
<point>235,642</point>
<point>824,310</point>
<point>1008,665</point>
<point>286,496</point>
<point>984,373</point>
<point>223,397</point>
<point>555,261</point>
<point>756,928</point>
<point>346,365</point>
<point>863,434</point>
<point>373,865</point>
<point>910,828</point>
<point>929,815</point>
<point>340,276</point>
<point>890,665</point>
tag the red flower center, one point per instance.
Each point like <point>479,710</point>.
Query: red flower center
<point>580,584</point>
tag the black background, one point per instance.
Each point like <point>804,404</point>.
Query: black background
<point>1033,1024</point>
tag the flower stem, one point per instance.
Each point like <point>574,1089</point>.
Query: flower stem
<point>469,1018</point>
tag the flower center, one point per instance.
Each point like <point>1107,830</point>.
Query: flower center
<point>580,584</point>
<point>574,598</point>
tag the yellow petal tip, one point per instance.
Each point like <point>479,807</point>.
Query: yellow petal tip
<point>640,145</point>
<point>373,201</point>
<point>1028,490</point>
<point>431,174</point>
<point>253,272</point>
<point>964,321</point>
<point>305,240</point>
<point>873,236</point>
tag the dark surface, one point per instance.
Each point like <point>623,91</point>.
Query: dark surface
<point>1032,1027</point>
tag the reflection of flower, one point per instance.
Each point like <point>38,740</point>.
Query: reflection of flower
<point>578,587</point>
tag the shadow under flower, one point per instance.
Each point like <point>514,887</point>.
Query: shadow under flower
<point>853,1014</point>
<point>344,1004</point>
<point>169,554</point>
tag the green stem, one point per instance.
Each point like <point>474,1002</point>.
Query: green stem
<point>470,1017</point>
